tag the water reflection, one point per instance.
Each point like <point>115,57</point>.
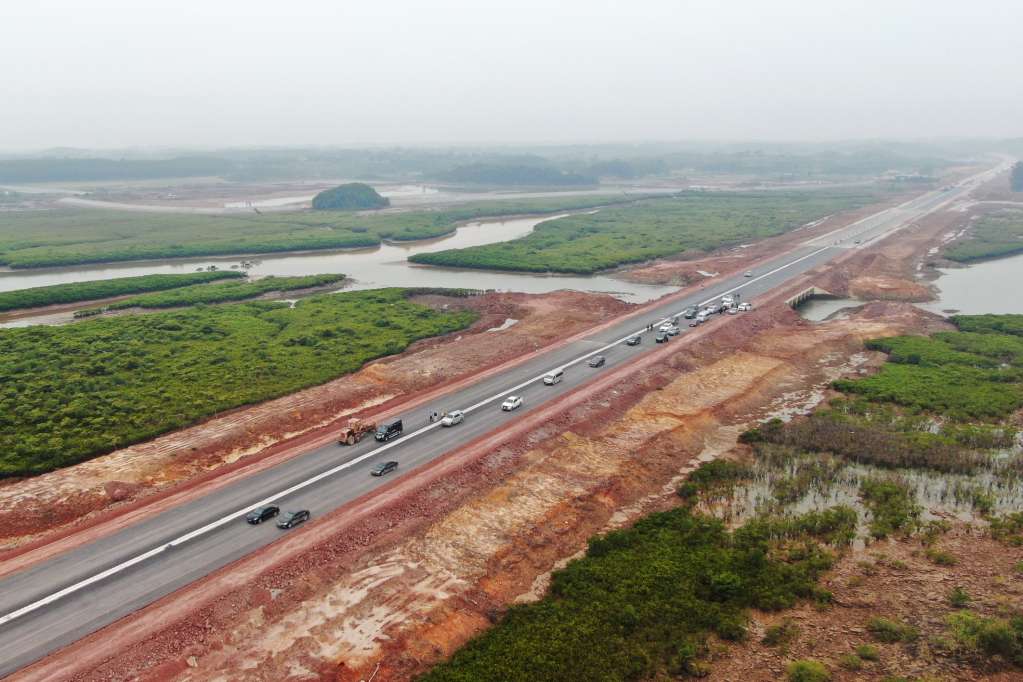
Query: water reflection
<point>992,287</point>
<point>381,266</point>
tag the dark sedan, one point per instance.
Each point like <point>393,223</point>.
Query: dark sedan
<point>292,517</point>
<point>596,361</point>
<point>633,340</point>
<point>261,514</point>
<point>381,468</point>
<point>662,338</point>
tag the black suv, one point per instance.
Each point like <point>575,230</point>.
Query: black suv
<point>633,340</point>
<point>388,430</point>
<point>596,361</point>
<point>293,517</point>
<point>662,338</point>
<point>691,313</point>
<point>261,514</point>
<point>381,468</point>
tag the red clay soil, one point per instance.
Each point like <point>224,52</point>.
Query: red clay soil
<point>301,566</point>
<point>468,534</point>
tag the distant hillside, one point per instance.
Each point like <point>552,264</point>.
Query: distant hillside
<point>503,174</point>
<point>355,196</point>
<point>75,170</point>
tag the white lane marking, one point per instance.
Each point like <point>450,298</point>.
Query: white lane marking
<point>299,486</point>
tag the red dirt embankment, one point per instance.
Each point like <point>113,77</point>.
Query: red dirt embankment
<point>431,559</point>
<point>246,436</point>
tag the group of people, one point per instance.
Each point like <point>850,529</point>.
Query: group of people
<point>434,416</point>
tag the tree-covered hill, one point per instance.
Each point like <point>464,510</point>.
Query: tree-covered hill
<point>355,196</point>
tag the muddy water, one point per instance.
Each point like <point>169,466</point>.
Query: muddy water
<point>382,266</point>
<point>817,310</point>
<point>992,287</point>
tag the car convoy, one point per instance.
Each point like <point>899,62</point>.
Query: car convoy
<point>354,430</point>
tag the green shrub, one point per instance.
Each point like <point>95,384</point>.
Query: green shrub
<point>941,558</point>
<point>958,598</point>
<point>867,652</point>
<point>639,605</point>
<point>780,633</point>
<point>892,630</point>
<point>851,662</point>
<point>973,633</point>
<point>807,671</point>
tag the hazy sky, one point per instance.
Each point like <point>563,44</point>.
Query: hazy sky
<point>108,74</point>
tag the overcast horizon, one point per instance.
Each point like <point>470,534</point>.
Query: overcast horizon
<point>114,75</point>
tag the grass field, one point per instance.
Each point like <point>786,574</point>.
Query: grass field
<point>71,393</point>
<point>223,292</point>
<point>105,288</point>
<point>586,243</point>
<point>998,234</point>
<point>31,239</point>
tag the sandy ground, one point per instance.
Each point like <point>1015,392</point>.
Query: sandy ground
<point>434,558</point>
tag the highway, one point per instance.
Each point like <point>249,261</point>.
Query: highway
<point>54,603</point>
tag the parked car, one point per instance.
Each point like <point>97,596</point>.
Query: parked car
<point>261,514</point>
<point>662,338</point>
<point>727,300</point>
<point>745,306</point>
<point>750,274</point>
<point>388,430</point>
<point>674,319</point>
<point>665,327</point>
<point>733,311</point>
<point>292,517</point>
<point>511,402</point>
<point>452,418</point>
<point>596,361</point>
<point>633,340</point>
<point>674,331</point>
<point>695,323</point>
<point>381,468</point>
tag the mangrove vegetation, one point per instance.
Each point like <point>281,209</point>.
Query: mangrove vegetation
<point>223,292</point>
<point>71,393</point>
<point>31,239</point>
<point>76,292</point>
<point>586,243</point>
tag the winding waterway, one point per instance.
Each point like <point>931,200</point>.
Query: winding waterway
<point>376,267</point>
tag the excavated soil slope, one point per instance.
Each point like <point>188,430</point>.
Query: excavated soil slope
<point>412,581</point>
<point>47,502</point>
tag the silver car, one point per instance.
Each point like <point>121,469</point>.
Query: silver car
<point>452,418</point>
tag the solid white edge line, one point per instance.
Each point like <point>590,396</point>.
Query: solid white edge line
<point>330,472</point>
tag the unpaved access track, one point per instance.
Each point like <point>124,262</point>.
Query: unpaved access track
<point>527,495</point>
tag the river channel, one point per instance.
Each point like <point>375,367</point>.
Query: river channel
<point>372,268</point>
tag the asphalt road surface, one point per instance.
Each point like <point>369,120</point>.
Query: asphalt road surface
<point>52,604</point>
